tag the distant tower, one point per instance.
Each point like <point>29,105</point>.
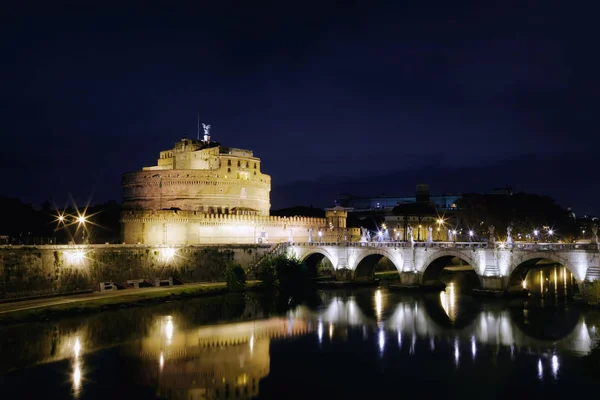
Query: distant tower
<point>336,217</point>
<point>206,132</point>
<point>422,193</point>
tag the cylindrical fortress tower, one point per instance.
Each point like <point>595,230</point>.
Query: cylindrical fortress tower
<point>200,176</point>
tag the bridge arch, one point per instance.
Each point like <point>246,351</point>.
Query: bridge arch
<point>314,258</point>
<point>520,266</point>
<point>438,260</point>
<point>366,262</point>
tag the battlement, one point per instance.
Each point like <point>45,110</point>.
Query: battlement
<point>196,216</point>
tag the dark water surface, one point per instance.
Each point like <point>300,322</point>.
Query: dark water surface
<point>365,343</point>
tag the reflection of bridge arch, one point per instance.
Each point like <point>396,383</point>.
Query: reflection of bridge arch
<point>522,264</point>
<point>364,265</point>
<point>436,262</point>
<point>449,312</point>
<point>546,324</point>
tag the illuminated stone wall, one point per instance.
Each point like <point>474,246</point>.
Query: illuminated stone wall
<point>203,177</point>
<point>30,270</point>
<point>190,227</point>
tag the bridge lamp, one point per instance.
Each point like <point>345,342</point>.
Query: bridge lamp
<point>81,219</point>
<point>536,232</point>
<point>550,232</point>
<point>61,218</point>
<point>383,226</point>
<point>502,246</point>
<point>471,233</point>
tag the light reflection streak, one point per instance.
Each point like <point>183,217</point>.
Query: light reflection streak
<point>161,360</point>
<point>169,329</point>
<point>378,305</point>
<point>431,344</point>
<point>456,352</point>
<point>330,331</point>
<point>540,369</point>
<point>252,344</point>
<point>320,331</point>
<point>381,340</point>
<point>399,339</point>
<point>473,347</point>
<point>448,300</point>
<point>77,368</point>
<point>555,366</point>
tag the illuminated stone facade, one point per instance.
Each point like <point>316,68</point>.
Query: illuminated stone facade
<point>201,192</point>
<point>203,177</point>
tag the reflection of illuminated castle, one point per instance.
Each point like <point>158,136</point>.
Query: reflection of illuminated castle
<point>201,192</point>
<point>214,362</point>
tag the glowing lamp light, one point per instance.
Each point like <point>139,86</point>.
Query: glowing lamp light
<point>471,233</point>
<point>454,232</point>
<point>550,232</point>
<point>167,254</point>
<point>75,257</point>
<point>440,221</point>
<point>502,245</point>
<point>61,218</point>
<point>81,219</point>
<point>536,232</point>
<point>320,234</point>
<point>380,234</point>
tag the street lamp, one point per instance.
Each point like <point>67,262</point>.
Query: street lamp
<point>550,233</point>
<point>454,235</point>
<point>320,233</point>
<point>535,234</point>
<point>471,233</point>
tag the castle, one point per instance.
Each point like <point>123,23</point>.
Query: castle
<point>201,192</point>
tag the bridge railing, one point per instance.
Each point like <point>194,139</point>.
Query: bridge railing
<point>463,245</point>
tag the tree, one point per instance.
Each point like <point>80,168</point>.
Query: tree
<point>283,274</point>
<point>235,277</point>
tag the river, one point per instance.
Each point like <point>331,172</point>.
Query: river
<point>335,344</point>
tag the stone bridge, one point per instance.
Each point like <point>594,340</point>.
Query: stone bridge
<point>497,265</point>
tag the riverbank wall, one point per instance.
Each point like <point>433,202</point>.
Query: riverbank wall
<point>44,270</point>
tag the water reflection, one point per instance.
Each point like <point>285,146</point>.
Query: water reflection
<point>181,358</point>
<point>77,367</point>
<point>551,282</point>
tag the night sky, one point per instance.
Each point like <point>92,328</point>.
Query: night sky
<point>359,97</point>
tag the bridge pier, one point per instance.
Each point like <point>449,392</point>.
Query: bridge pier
<point>410,278</point>
<point>493,283</point>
